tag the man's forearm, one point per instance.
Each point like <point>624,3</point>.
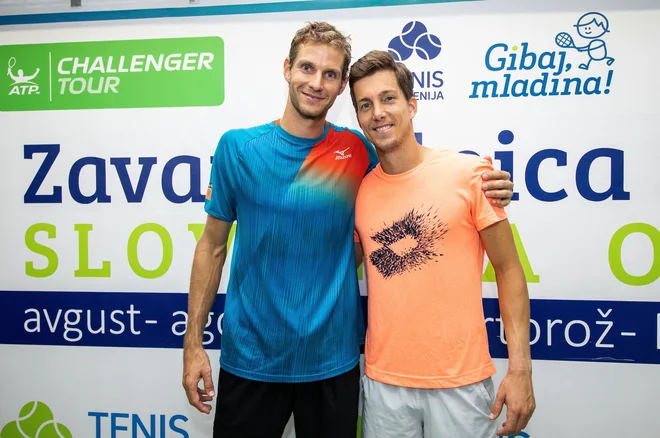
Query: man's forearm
<point>204,282</point>
<point>514,308</point>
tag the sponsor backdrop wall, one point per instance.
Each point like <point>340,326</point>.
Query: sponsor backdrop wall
<point>108,127</point>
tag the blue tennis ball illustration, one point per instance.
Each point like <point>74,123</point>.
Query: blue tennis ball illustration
<point>411,32</point>
<point>398,50</point>
<point>428,46</point>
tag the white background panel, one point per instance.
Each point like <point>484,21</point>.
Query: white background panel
<point>567,241</point>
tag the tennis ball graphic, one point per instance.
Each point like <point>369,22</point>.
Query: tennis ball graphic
<point>412,31</point>
<point>398,50</point>
<point>33,415</point>
<point>11,431</point>
<point>428,46</point>
<point>35,420</point>
<point>53,429</point>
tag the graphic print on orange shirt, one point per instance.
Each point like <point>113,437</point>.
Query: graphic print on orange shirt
<point>409,243</point>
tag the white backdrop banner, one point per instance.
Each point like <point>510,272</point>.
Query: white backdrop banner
<point>108,129</point>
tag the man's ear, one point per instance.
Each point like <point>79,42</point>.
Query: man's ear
<point>343,84</point>
<point>412,107</point>
<point>287,70</point>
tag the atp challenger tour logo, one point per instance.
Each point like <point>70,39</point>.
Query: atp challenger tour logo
<point>113,74</point>
<point>524,70</point>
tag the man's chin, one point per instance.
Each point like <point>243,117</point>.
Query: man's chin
<point>384,146</point>
<point>312,115</point>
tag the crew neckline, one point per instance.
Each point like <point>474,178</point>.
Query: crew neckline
<point>399,176</point>
<point>301,141</point>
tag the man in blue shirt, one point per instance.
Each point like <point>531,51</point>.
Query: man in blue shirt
<point>293,321</point>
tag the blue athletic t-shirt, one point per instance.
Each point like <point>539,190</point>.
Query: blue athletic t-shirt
<point>292,308</point>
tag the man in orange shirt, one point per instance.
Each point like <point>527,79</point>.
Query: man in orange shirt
<point>423,222</point>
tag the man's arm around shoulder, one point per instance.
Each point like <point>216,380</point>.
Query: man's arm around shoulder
<point>516,388</point>
<point>210,255</point>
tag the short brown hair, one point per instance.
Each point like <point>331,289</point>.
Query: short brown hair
<point>320,32</point>
<point>378,60</point>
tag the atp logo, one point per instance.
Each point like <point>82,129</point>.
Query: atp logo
<point>35,420</point>
<point>22,84</point>
<point>416,39</point>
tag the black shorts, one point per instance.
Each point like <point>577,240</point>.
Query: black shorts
<point>322,409</point>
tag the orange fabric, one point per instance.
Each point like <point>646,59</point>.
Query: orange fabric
<point>334,156</point>
<point>425,259</point>
<point>209,191</point>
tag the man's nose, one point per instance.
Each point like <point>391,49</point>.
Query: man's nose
<point>379,111</point>
<point>316,81</point>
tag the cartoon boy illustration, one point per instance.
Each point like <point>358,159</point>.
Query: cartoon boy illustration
<point>592,26</point>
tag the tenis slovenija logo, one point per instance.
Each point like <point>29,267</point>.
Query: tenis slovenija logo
<point>420,49</point>
<point>415,38</point>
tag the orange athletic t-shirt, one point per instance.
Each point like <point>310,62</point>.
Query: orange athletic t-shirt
<point>424,259</point>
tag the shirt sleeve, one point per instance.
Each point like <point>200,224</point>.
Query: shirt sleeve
<point>484,214</point>
<point>371,151</point>
<point>220,199</point>
<point>373,156</point>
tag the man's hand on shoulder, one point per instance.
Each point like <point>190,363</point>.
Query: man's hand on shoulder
<point>498,186</point>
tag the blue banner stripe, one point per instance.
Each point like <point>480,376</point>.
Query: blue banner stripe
<point>197,11</point>
<point>565,330</point>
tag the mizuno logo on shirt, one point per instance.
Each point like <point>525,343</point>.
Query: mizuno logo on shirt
<point>341,154</point>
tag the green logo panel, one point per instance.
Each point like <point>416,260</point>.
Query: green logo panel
<point>169,72</point>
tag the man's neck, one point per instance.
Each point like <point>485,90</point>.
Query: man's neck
<point>299,126</point>
<point>403,158</point>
